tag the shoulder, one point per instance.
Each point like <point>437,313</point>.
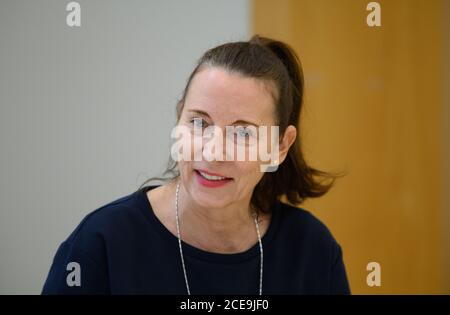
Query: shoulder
<point>88,247</point>
<point>300,224</point>
<point>311,242</point>
<point>106,223</point>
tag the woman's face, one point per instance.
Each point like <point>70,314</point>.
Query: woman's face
<point>216,99</point>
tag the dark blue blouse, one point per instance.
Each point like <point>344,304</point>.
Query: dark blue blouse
<point>123,248</point>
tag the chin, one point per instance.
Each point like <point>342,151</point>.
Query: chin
<point>208,200</point>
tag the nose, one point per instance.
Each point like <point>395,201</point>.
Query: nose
<point>214,144</point>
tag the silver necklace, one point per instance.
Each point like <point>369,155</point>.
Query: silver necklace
<point>181,249</point>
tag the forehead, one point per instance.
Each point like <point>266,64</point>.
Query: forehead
<point>227,96</point>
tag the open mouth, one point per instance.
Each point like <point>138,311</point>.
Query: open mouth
<point>211,177</point>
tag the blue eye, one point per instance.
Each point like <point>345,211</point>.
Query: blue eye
<point>244,132</point>
<point>197,121</point>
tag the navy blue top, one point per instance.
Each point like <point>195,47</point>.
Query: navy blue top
<point>123,248</point>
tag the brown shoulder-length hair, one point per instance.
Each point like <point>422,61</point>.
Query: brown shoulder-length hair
<point>275,62</point>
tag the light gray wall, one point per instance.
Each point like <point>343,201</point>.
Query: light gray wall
<point>86,113</point>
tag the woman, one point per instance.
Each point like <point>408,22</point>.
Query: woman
<point>217,226</point>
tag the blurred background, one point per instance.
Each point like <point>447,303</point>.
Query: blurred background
<point>84,111</point>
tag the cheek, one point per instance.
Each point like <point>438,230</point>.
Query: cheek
<point>249,172</point>
<point>185,169</point>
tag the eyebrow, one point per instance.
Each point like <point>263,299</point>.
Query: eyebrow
<point>240,121</point>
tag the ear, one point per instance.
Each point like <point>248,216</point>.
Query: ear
<point>288,139</point>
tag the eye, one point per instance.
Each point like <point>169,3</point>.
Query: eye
<point>244,132</point>
<point>198,121</point>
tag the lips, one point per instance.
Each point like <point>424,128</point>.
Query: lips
<point>212,174</point>
<point>211,181</point>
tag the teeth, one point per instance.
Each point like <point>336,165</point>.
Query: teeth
<point>211,177</point>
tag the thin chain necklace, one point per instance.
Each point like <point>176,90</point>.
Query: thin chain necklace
<point>181,249</point>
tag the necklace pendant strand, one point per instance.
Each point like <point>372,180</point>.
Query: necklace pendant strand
<point>181,249</point>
